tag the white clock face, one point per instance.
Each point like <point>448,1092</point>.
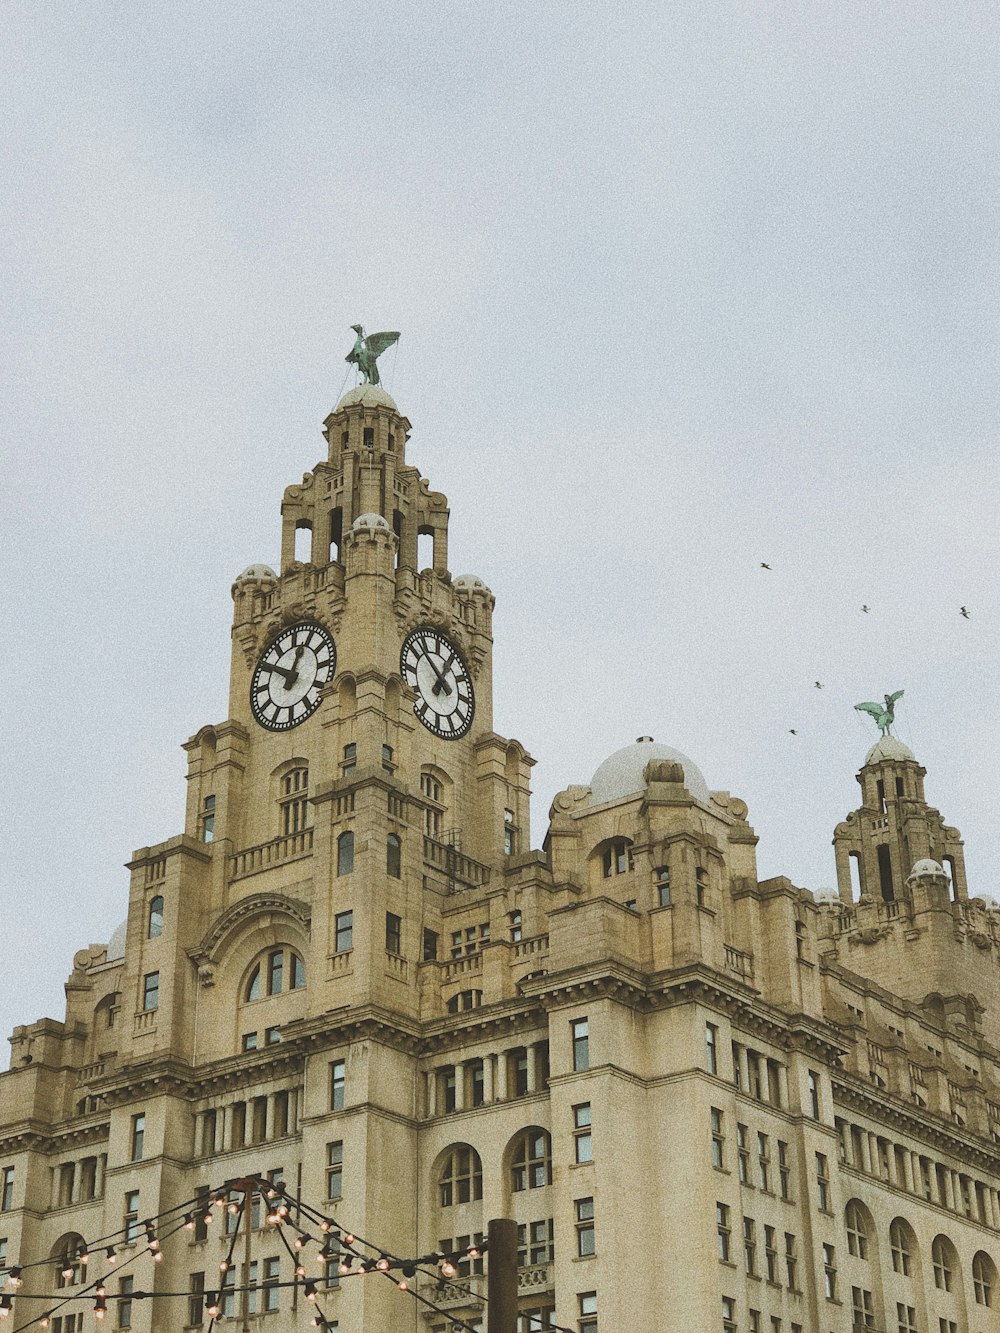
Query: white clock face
<point>432,666</point>
<point>286,684</point>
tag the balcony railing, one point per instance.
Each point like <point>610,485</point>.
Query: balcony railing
<point>288,847</point>
<point>461,870</point>
<point>740,962</point>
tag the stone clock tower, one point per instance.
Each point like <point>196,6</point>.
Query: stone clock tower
<point>708,1101</point>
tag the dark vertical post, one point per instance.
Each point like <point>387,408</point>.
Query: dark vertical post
<point>501,1284</point>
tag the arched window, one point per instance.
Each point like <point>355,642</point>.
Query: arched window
<point>280,969</point>
<point>984,1278</point>
<point>616,857</point>
<point>155,925</point>
<point>531,1163</point>
<point>65,1254</point>
<point>461,1178</point>
<point>393,856</point>
<point>345,853</point>
<point>293,800</point>
<point>943,1261</point>
<point>901,1246</point>
<point>857,1230</point>
<point>466,999</point>
<point>433,788</point>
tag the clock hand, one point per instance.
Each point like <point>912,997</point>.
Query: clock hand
<point>294,675</point>
<point>282,671</point>
<point>441,683</point>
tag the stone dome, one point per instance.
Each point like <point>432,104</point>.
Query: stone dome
<point>470,583</point>
<point>827,897</point>
<point>257,572</point>
<point>116,944</point>
<point>621,774</point>
<point>366,395</point>
<point>889,747</point>
<point>369,523</point>
<point>928,867</point>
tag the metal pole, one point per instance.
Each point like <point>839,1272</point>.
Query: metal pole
<point>501,1283</point>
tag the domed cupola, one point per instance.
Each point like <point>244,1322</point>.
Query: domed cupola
<point>624,773</point>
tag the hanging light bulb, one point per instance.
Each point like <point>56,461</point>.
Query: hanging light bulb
<point>233,1207</point>
<point>84,1257</point>
<point>403,1285</point>
<point>67,1270</point>
<point>188,1222</point>
<point>300,1270</point>
<point>324,1255</point>
<point>224,1266</point>
<point>326,1224</point>
<point>44,1321</point>
<point>111,1254</point>
<point>301,1240</point>
<point>207,1216</point>
<point>475,1252</point>
<point>344,1267</point>
<point>448,1269</point>
<point>383,1265</point>
<point>348,1237</point>
<point>212,1303</point>
<point>282,1210</point>
<point>100,1308</point>
<point>6,1304</point>
<point>14,1276</point>
<point>310,1292</point>
<point>100,1289</point>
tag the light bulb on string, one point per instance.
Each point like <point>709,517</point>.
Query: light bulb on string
<point>403,1285</point>
<point>14,1276</point>
<point>188,1222</point>
<point>382,1263</point>
<point>300,1270</point>
<point>100,1308</point>
<point>84,1257</point>
<point>448,1269</point>
<point>211,1303</point>
<point>349,1237</point>
<point>224,1266</point>
<point>111,1254</point>
<point>326,1225</point>
<point>6,1305</point>
<point>301,1240</point>
<point>344,1267</point>
<point>310,1292</point>
<point>44,1321</point>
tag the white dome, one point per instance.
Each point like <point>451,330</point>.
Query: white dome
<point>621,773</point>
<point>116,944</point>
<point>928,867</point>
<point>257,572</point>
<point>470,583</point>
<point>367,395</point>
<point>888,747</point>
<point>368,522</point>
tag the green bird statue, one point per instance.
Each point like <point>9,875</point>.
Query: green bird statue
<point>367,350</point>
<point>882,713</point>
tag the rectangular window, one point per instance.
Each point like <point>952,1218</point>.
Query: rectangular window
<point>126,1286</point>
<point>770,1254</point>
<point>784,1170</point>
<point>755,1081</point>
<point>350,761</point>
<point>275,971</point>
<point>737,1051</point>
<point>906,1318</point>
<point>830,1272</point>
<point>208,819</point>
<point>743,1153</point>
<point>764,1161</point>
<point>3,1260</point>
<point>271,1289</point>
<point>151,991</point>
<point>588,1312</point>
<point>723,1230</point>
<point>581,1043</point>
<point>131,1219</point>
<point>728,1315</point>
<point>430,946</point>
<point>583,1145</point>
<point>822,1183</point>
<point>750,1246</point>
<point>813,1078</point>
<point>227,1291</point>
<point>272,1036</point>
<point>393,934</point>
<point>345,932</point>
<point>335,1169</point>
<point>791,1262</point>
<point>249,1041</point>
<point>387,761</point>
<point>88,1179</point>
<point>585,1236</point>
<point>862,1308</point>
<point>718,1139</point>
<point>663,885</point>
<point>338,1081</point>
<point>711,1048</point>
<point>755,1325</point>
<point>138,1136</point>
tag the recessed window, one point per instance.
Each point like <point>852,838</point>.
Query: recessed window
<point>583,1144</point>
<point>514,925</point>
<point>586,1241</point>
<point>338,1083</point>
<point>531,1165</point>
<point>588,1311</point>
<point>130,1224</point>
<point>350,760</point>
<point>155,922</point>
<point>580,1033</point>
<point>294,801</point>
<point>509,833</point>
<point>151,991</point>
<point>616,858</point>
<point>268,977</point>
<point>208,819</point>
<point>393,856</point>
<point>393,934</point>
<point>430,951</point>
<point>663,885</point>
<point>272,1036</point>
<point>461,1178</point>
<point>387,759</point>
<point>138,1136</point>
<point>345,853</point>
<point>344,932</point>
<point>249,1041</point>
<point>335,1169</point>
<point>6,1189</point>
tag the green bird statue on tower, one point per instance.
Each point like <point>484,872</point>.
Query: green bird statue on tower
<point>367,349</point>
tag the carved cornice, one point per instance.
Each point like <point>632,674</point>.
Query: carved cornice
<point>239,915</point>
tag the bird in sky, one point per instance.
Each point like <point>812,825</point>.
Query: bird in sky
<point>866,609</point>
<point>764,566</point>
<point>792,731</point>
<point>965,611</point>
<point>817,684</point>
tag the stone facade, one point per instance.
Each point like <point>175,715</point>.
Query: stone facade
<point>710,1102</point>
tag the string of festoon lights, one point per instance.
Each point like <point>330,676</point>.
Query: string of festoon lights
<point>356,1257</point>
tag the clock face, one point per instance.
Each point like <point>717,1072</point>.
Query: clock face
<point>432,666</point>
<point>288,678</point>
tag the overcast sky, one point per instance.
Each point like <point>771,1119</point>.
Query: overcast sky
<point>683,287</point>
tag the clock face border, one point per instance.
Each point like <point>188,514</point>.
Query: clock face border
<point>311,698</point>
<point>425,713</point>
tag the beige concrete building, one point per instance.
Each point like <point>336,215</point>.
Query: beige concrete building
<point>711,1103</point>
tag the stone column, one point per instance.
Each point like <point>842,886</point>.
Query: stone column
<point>501,1076</point>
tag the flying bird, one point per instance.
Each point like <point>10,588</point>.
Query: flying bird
<point>764,566</point>
<point>866,609</point>
<point>792,731</point>
<point>965,611</point>
<point>817,684</point>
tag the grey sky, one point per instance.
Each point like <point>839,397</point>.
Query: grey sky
<point>682,287</point>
